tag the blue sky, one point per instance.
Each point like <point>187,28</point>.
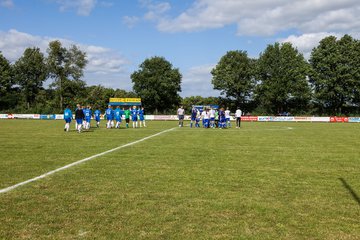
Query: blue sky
<point>191,34</point>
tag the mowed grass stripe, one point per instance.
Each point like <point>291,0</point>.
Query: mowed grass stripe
<point>198,184</point>
<point>80,162</point>
<point>30,148</point>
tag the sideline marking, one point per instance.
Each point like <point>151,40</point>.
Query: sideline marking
<point>4,190</point>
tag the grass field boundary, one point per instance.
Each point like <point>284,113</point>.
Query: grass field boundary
<point>4,190</point>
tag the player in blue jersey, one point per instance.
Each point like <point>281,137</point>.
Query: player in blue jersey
<point>134,116</point>
<point>222,119</point>
<point>109,117</point>
<point>67,118</point>
<point>141,114</point>
<point>88,114</point>
<point>117,113</point>
<point>193,116</point>
<point>97,115</point>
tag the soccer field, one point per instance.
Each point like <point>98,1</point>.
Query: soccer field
<point>263,181</point>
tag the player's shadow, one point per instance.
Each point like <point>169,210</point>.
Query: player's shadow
<point>351,191</point>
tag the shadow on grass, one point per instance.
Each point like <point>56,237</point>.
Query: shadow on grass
<point>351,191</point>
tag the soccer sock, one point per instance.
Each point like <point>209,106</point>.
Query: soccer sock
<point>136,124</point>
<point>133,125</point>
<point>191,124</point>
<point>144,124</point>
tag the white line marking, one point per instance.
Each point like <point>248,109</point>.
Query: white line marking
<point>4,190</point>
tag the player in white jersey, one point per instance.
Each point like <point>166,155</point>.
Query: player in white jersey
<point>197,120</point>
<point>181,113</point>
<point>212,118</point>
<point>205,115</point>
<point>227,117</point>
<point>238,117</point>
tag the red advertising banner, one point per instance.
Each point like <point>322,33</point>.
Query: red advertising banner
<point>249,118</point>
<point>339,119</point>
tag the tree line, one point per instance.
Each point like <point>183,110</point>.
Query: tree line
<point>279,80</point>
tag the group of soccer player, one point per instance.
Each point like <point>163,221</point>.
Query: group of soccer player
<point>137,116</point>
<point>210,117</point>
<point>84,114</point>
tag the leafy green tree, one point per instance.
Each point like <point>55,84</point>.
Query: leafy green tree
<point>158,84</point>
<point>234,76</point>
<point>30,73</point>
<point>66,67</point>
<point>336,73</point>
<point>282,74</point>
<point>7,93</point>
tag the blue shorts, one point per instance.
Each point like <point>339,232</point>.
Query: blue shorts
<point>227,119</point>
<point>134,119</point>
<point>118,119</point>
<point>212,119</point>
<point>67,120</point>
<point>142,118</point>
<point>193,118</point>
<point>206,122</point>
<point>79,120</point>
<point>109,118</point>
<point>88,119</point>
<point>97,119</point>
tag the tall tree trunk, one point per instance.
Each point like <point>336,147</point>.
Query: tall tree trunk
<point>61,95</point>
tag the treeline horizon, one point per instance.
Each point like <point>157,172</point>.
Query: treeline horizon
<point>279,80</point>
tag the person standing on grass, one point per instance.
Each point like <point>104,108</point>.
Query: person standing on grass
<point>97,115</point>
<point>109,117</point>
<point>212,117</point>
<point>197,120</point>
<point>117,113</point>
<point>227,117</point>
<point>180,113</point>
<point>88,114</point>
<point>193,116</point>
<point>134,117</point>
<point>205,117</point>
<point>142,116</point>
<point>238,117</point>
<point>222,119</point>
<point>127,117</point>
<point>79,117</point>
<point>67,118</point>
<point>217,118</point>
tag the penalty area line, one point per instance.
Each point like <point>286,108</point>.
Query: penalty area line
<point>4,190</point>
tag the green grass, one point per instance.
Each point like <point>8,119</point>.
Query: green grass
<point>263,181</point>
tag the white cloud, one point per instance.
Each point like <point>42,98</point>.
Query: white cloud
<point>197,82</point>
<point>155,11</point>
<point>83,7</point>
<point>263,17</point>
<point>6,3</point>
<point>130,21</point>
<point>103,62</point>
<point>306,42</point>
